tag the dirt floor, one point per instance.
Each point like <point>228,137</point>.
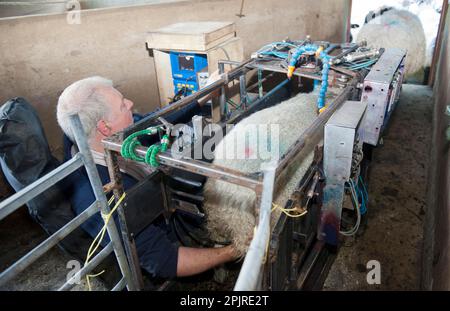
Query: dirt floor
<point>18,235</point>
<point>397,188</point>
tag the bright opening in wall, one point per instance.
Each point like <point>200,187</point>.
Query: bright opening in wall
<point>381,12</point>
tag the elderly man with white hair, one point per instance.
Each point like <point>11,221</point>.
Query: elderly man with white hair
<point>103,111</point>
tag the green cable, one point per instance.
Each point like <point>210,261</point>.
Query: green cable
<point>153,150</point>
<point>130,144</point>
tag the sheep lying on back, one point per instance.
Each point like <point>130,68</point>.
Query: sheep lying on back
<point>229,207</point>
<point>397,29</point>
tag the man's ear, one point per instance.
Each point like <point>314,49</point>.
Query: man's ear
<point>103,128</point>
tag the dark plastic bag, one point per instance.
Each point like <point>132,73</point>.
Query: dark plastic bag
<point>25,157</point>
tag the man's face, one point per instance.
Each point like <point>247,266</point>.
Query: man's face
<point>120,114</point>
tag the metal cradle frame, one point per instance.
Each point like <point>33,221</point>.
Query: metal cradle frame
<point>250,276</point>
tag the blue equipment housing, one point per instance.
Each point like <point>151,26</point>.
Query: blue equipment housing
<point>185,67</point>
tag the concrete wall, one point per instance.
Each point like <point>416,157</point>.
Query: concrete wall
<point>436,255</point>
<point>95,4</point>
<point>41,55</point>
<point>17,9</point>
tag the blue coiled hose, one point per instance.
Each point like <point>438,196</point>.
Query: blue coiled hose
<point>324,86</point>
<point>325,69</point>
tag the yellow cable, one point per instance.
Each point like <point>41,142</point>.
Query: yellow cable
<point>92,276</point>
<point>111,199</point>
<point>287,210</point>
<point>101,234</point>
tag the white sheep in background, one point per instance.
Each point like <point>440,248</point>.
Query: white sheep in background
<point>397,29</point>
<point>429,14</point>
<point>229,207</point>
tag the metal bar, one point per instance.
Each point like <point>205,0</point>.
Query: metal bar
<point>223,97</point>
<point>346,71</point>
<point>258,101</point>
<point>250,272</point>
<point>229,62</point>
<point>276,68</point>
<point>198,167</point>
<point>211,170</point>
<point>241,10</point>
<point>243,90</point>
<point>94,178</point>
<point>338,58</point>
<point>226,77</point>
<point>311,136</point>
<point>331,48</point>
<point>33,190</point>
<point>130,247</point>
<point>39,250</point>
<point>256,84</point>
<point>120,285</point>
<point>309,264</point>
<point>87,268</point>
<point>187,195</point>
<point>437,47</point>
<point>260,86</point>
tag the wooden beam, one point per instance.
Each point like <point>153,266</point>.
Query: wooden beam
<point>437,47</point>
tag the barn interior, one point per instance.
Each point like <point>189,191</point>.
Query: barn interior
<point>355,198</point>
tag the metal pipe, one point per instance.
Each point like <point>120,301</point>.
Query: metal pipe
<point>120,285</point>
<point>256,84</point>
<point>128,241</point>
<point>243,90</point>
<point>223,98</point>
<point>338,58</point>
<point>31,191</point>
<point>331,48</point>
<point>229,62</point>
<point>260,84</point>
<point>309,264</point>
<point>258,101</point>
<point>187,195</point>
<point>87,268</point>
<point>39,250</point>
<point>198,167</point>
<point>226,77</point>
<point>362,55</point>
<point>249,276</point>
<point>94,178</point>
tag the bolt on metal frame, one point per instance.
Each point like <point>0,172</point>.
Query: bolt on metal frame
<point>82,158</point>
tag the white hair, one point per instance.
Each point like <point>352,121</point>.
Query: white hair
<point>83,97</point>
